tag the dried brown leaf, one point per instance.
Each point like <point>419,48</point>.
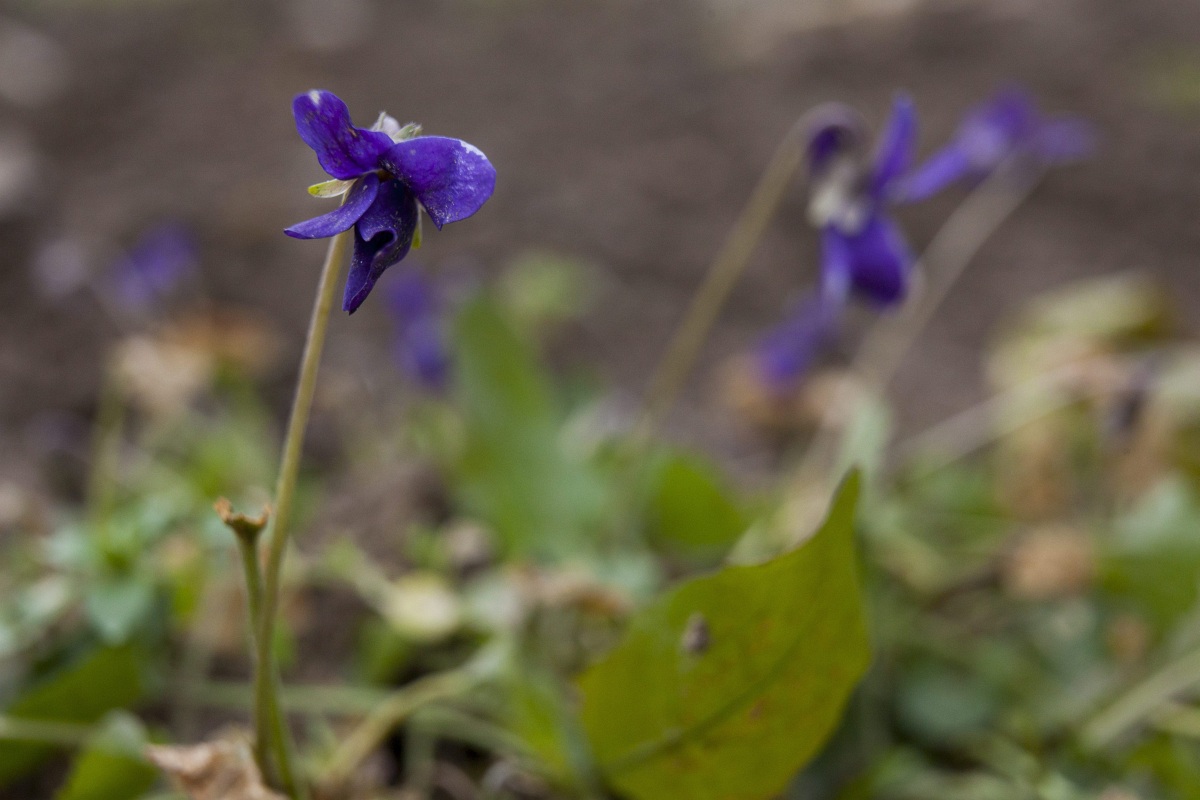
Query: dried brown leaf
<point>223,769</point>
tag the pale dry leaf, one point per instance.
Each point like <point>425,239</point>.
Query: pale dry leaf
<point>219,770</point>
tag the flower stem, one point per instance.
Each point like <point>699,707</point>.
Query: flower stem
<point>727,267</point>
<point>248,549</point>
<point>266,683</point>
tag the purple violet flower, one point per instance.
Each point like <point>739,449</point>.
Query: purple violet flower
<point>387,173</point>
<point>422,351</point>
<point>161,258</point>
<point>864,254</point>
<point>1007,126</point>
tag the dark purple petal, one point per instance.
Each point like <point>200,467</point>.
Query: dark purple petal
<point>360,197</point>
<point>162,258</point>
<point>895,151</point>
<point>880,262</point>
<point>343,150</point>
<point>834,129</point>
<point>948,165</point>
<point>451,178</point>
<point>787,353</point>
<point>837,264</point>
<point>382,237</point>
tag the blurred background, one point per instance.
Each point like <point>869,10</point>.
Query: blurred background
<point>1031,585</point>
<point>627,135</point>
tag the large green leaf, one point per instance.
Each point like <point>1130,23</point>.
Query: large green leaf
<point>731,682</point>
<point>514,471</point>
<point>107,679</point>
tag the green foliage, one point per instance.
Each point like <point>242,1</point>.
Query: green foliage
<point>111,767</point>
<point>727,684</point>
<point>1154,558</point>
<point>513,470</point>
<point>691,511</point>
<point>106,679</point>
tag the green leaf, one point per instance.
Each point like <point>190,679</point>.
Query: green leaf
<point>106,679</point>
<point>731,682</point>
<point>513,471</point>
<point>690,510</point>
<point>117,605</point>
<point>112,766</point>
<point>538,710</point>
<point>1154,558</point>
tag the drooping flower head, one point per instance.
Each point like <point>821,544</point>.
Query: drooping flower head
<point>863,252</point>
<point>421,349</point>
<point>388,173</point>
<point>1007,127</point>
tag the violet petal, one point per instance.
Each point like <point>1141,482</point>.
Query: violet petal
<point>451,179</point>
<point>788,352</point>
<point>344,151</point>
<point>360,197</point>
<point>948,165</point>
<point>895,151</point>
<point>834,130</point>
<point>382,238</point>
<point>880,262</point>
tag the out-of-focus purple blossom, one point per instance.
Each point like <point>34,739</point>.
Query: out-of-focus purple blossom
<point>864,254</point>
<point>421,348</point>
<point>1007,127</point>
<point>789,350</point>
<point>158,262</point>
<point>387,173</point>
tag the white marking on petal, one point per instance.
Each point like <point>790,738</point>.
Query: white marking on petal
<point>315,96</point>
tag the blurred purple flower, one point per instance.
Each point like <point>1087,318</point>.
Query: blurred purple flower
<point>388,173</point>
<point>1007,126</point>
<point>864,254</point>
<point>158,262</point>
<point>422,351</point>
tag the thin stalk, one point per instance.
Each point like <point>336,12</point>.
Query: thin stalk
<point>106,453</point>
<point>266,701</point>
<point>363,740</point>
<point>1142,700</point>
<point>726,269</point>
<point>252,570</point>
<point>332,700</point>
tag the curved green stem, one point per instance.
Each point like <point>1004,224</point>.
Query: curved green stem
<point>266,703</point>
<point>389,714</point>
